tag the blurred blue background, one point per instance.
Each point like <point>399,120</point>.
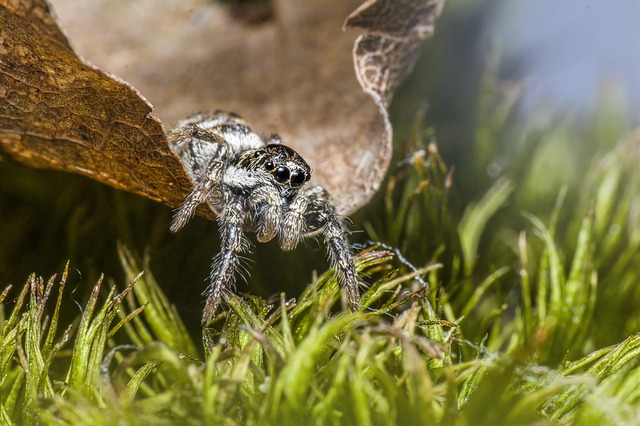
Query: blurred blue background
<point>568,50</point>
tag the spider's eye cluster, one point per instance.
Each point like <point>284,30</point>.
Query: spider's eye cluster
<point>286,166</point>
<point>284,175</point>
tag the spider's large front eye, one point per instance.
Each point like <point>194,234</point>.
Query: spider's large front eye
<point>297,179</point>
<point>281,174</point>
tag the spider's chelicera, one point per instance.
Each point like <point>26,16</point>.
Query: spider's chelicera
<point>255,185</point>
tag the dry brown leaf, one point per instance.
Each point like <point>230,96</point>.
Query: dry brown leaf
<point>58,112</point>
<point>292,75</point>
<point>387,53</point>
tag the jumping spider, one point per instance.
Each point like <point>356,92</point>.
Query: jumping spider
<point>255,185</point>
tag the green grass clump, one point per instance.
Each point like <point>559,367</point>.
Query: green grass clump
<point>260,366</point>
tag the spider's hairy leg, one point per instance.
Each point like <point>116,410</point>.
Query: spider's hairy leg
<point>226,263</point>
<point>201,191</point>
<point>270,213</point>
<point>321,214</point>
<point>341,258</point>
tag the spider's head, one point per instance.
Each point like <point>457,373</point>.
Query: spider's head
<point>285,166</point>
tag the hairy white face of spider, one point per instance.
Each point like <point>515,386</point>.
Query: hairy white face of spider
<point>258,186</point>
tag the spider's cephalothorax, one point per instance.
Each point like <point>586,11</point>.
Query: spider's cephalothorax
<point>256,185</point>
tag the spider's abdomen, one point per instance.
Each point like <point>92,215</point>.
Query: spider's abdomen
<point>199,139</point>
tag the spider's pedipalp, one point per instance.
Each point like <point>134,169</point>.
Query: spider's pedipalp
<point>267,205</point>
<point>293,224</point>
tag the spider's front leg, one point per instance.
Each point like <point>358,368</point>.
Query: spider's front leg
<point>341,258</point>
<point>320,213</point>
<point>202,189</point>
<point>233,244</point>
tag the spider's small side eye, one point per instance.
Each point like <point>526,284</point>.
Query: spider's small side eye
<point>281,174</point>
<point>269,166</point>
<point>297,178</point>
<point>258,154</point>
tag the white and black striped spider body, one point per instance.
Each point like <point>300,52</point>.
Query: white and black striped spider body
<point>255,185</point>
